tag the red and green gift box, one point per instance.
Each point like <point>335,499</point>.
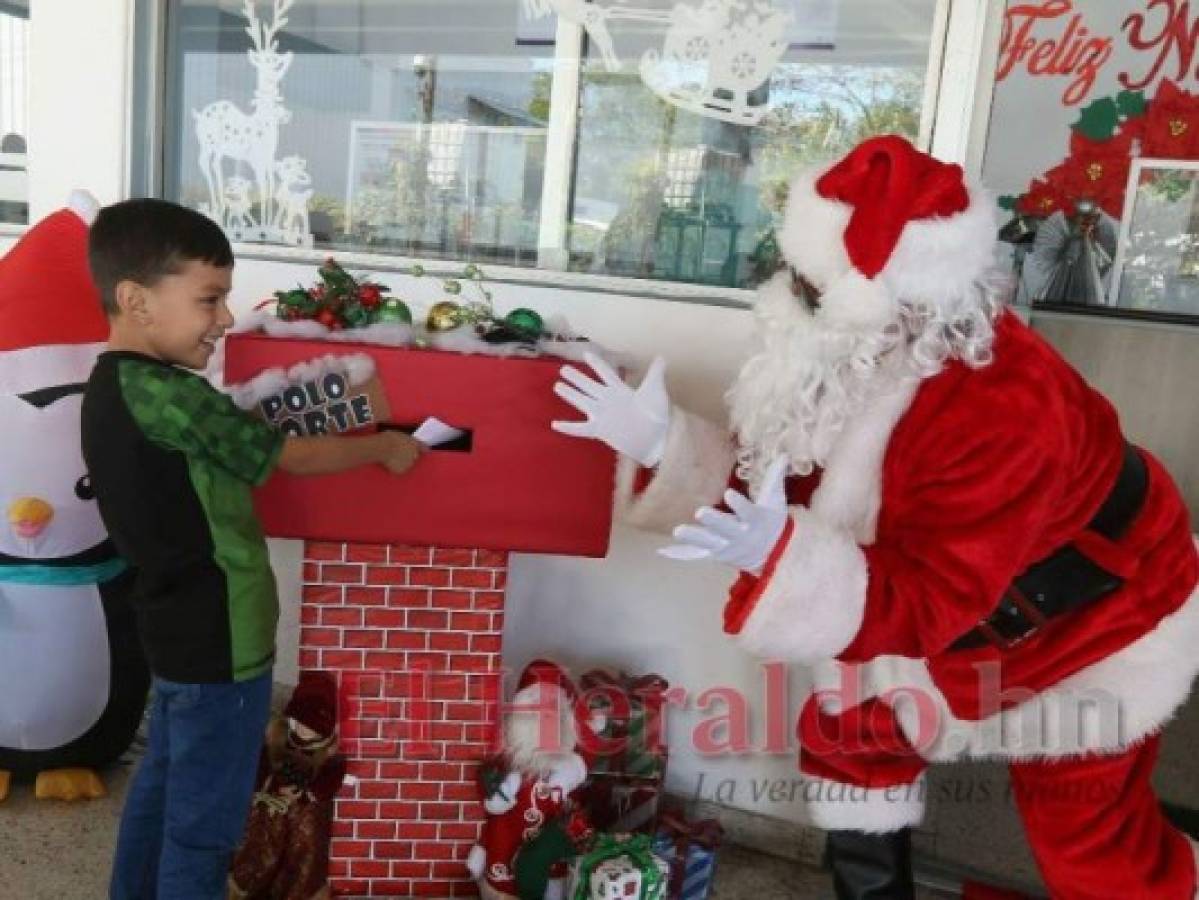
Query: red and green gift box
<point>632,742</point>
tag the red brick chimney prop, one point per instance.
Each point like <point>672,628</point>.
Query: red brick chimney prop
<point>403,591</point>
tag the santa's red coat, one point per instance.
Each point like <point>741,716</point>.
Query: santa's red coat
<point>537,802</point>
<point>938,495</point>
<point>987,472</point>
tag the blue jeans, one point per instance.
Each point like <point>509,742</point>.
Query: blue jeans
<point>187,805</point>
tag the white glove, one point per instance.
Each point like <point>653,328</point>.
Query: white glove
<point>743,538</point>
<point>632,422</point>
<point>505,796</point>
<point>568,774</point>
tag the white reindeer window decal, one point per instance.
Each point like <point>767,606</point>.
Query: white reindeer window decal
<point>273,207</point>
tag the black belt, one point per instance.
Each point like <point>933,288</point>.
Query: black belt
<point>1065,580</point>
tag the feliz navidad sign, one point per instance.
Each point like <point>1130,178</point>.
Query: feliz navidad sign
<point>1079,42</point>
<point>1058,57</point>
<point>328,403</point>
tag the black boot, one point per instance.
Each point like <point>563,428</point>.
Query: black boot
<point>871,866</point>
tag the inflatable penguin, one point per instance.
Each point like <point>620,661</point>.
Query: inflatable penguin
<point>73,679</point>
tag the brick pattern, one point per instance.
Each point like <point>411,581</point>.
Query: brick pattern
<point>413,635</point>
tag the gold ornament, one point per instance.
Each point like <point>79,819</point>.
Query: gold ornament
<point>445,315</point>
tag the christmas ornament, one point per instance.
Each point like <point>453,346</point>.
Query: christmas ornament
<point>392,310</point>
<point>525,320</point>
<point>1071,257</point>
<point>445,315</point>
<point>340,301</point>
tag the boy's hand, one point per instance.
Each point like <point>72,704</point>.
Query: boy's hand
<point>400,451</point>
<point>325,454</point>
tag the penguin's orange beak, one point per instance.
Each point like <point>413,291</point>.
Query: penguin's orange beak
<point>29,516</point>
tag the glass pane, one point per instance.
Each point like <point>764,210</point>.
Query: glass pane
<point>412,127</point>
<point>672,180</point>
<point>1160,269</point>
<point>14,111</point>
<point>1082,90</point>
<point>419,127</point>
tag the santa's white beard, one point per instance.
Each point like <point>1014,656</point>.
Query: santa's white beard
<point>804,381</point>
<point>807,379</point>
<point>541,735</point>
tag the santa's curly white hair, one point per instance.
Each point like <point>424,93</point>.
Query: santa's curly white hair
<point>828,338</point>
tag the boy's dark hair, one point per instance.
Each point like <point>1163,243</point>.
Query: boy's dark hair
<point>146,239</point>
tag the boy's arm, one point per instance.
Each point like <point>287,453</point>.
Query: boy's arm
<point>184,412</point>
<point>323,455</point>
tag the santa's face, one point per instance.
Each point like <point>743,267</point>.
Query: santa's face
<point>185,314</point>
<point>539,729</point>
<point>805,380</point>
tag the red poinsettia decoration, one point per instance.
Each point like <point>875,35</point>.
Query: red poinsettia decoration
<point>1096,171</point>
<point>1171,124</point>
<point>1043,199</point>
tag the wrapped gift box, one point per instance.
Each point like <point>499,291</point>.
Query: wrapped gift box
<point>619,867</point>
<point>622,803</point>
<point>632,742</point>
<point>690,849</point>
<point>513,484</point>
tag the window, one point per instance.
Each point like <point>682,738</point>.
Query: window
<point>1105,85</point>
<point>14,111</point>
<point>669,191</point>
<point>422,128</point>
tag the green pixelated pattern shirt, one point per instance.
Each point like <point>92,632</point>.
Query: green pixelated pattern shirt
<point>172,462</point>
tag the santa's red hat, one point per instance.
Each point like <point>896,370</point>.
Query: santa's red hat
<point>52,325</point>
<point>314,703</point>
<point>884,224</point>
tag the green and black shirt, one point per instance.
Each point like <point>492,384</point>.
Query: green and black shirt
<point>171,462</point>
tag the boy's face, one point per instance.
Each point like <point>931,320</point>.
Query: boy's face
<point>185,314</point>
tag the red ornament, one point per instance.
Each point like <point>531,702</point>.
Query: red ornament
<point>370,296</point>
<point>328,318</point>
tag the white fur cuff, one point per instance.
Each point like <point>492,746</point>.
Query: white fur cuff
<point>694,472</point>
<point>834,806</point>
<point>812,603</point>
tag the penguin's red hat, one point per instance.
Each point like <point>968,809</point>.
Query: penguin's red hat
<point>52,324</point>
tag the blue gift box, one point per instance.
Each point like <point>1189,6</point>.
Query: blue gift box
<point>699,843</point>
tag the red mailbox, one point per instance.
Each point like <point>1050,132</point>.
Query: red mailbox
<point>512,484</point>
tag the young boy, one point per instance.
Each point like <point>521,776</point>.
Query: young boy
<point>172,462</point>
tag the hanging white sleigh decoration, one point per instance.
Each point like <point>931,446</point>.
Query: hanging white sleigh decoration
<point>715,54</point>
<point>273,207</point>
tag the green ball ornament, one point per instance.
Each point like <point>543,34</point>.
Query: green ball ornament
<point>392,311</point>
<point>525,320</point>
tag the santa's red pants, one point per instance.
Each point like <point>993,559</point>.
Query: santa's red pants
<point>1093,822</point>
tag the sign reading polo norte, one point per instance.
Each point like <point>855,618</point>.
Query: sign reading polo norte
<point>332,395</point>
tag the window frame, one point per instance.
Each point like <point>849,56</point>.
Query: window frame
<point>963,53</point>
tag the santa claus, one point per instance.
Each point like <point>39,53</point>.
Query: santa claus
<point>946,521</point>
<point>531,792</point>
